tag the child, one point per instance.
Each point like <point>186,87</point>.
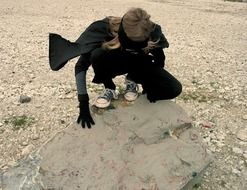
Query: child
<point>131,45</point>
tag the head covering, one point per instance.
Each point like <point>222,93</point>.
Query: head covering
<point>127,43</point>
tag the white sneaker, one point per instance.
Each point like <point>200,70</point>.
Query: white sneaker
<point>104,100</point>
<point>173,100</point>
<point>131,91</point>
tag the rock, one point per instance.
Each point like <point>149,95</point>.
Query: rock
<point>242,134</point>
<point>24,143</point>
<point>25,171</point>
<point>2,131</point>
<point>24,99</point>
<point>236,171</point>
<point>138,147</point>
<point>35,136</point>
<point>69,96</point>
<point>244,117</point>
<point>237,150</point>
<point>27,150</point>
<point>245,154</point>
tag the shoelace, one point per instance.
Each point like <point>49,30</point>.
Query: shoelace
<point>108,94</point>
<point>131,86</point>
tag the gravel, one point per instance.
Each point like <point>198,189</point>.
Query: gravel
<point>208,43</point>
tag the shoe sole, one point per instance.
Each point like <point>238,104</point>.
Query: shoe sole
<point>130,99</point>
<point>101,105</point>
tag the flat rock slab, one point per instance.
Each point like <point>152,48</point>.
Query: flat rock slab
<point>134,147</point>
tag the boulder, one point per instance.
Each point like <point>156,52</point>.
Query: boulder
<point>133,146</point>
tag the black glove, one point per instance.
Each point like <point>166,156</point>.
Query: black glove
<point>151,98</point>
<point>84,116</point>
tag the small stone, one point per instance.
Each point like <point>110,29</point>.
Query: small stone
<point>245,155</point>
<point>24,99</point>
<point>220,144</point>
<point>207,125</point>
<point>1,131</point>
<point>27,150</point>
<point>236,171</point>
<point>35,136</point>
<point>242,135</point>
<point>207,139</point>
<point>222,91</point>
<point>32,76</point>
<point>227,88</point>
<point>38,106</point>
<point>237,150</point>
<point>12,163</point>
<point>69,96</point>
<point>241,162</point>
<point>242,143</point>
<point>244,117</point>
<point>24,143</point>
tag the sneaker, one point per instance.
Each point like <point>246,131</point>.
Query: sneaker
<point>173,100</point>
<point>131,91</point>
<point>104,100</point>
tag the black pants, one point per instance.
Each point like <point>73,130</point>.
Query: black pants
<point>157,82</point>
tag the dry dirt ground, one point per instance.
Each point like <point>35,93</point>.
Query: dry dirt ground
<point>208,43</point>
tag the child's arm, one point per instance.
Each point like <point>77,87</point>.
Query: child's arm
<point>80,74</point>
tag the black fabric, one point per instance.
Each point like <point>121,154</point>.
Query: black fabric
<point>158,56</point>
<point>158,83</point>
<point>62,50</point>
<point>127,43</point>
<point>94,35</point>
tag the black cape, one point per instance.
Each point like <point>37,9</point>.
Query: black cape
<point>62,50</point>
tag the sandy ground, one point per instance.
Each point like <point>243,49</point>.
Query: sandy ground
<point>208,43</point>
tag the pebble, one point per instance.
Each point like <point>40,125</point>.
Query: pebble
<point>244,117</point>
<point>24,99</point>
<point>220,144</point>
<point>35,136</point>
<point>27,150</point>
<point>237,150</point>
<point>245,155</point>
<point>24,143</point>
<point>236,171</point>
<point>242,135</point>
<point>69,96</point>
<point>12,163</point>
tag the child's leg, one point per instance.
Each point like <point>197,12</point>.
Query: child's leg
<point>161,85</point>
<point>158,83</point>
<point>107,65</point>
